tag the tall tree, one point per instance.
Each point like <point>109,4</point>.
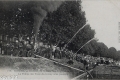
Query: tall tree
<point>15,18</point>
<point>90,48</point>
<point>118,55</point>
<point>61,25</point>
<point>102,49</point>
<point>112,53</point>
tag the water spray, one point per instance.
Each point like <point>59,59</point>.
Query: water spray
<point>85,44</point>
<point>75,35</point>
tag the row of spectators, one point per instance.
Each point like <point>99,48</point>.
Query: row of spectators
<point>88,60</point>
<point>22,49</point>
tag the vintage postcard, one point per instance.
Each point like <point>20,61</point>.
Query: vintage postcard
<point>59,39</point>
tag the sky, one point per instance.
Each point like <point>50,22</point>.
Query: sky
<point>104,17</point>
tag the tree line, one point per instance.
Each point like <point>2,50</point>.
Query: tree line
<point>62,24</point>
<point>57,28</point>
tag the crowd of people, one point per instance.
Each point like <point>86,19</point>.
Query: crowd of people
<point>26,49</point>
<point>54,52</point>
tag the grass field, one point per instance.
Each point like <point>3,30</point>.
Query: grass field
<point>22,64</point>
<point>34,65</point>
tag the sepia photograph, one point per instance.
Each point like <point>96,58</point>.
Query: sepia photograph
<point>59,39</point>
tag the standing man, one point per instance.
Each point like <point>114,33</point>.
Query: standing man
<point>53,51</point>
<point>85,64</point>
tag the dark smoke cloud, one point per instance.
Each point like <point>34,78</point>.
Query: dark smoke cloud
<point>38,8</point>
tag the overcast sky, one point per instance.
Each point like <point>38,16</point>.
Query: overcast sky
<point>104,16</point>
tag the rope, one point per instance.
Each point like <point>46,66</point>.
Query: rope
<point>59,63</point>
